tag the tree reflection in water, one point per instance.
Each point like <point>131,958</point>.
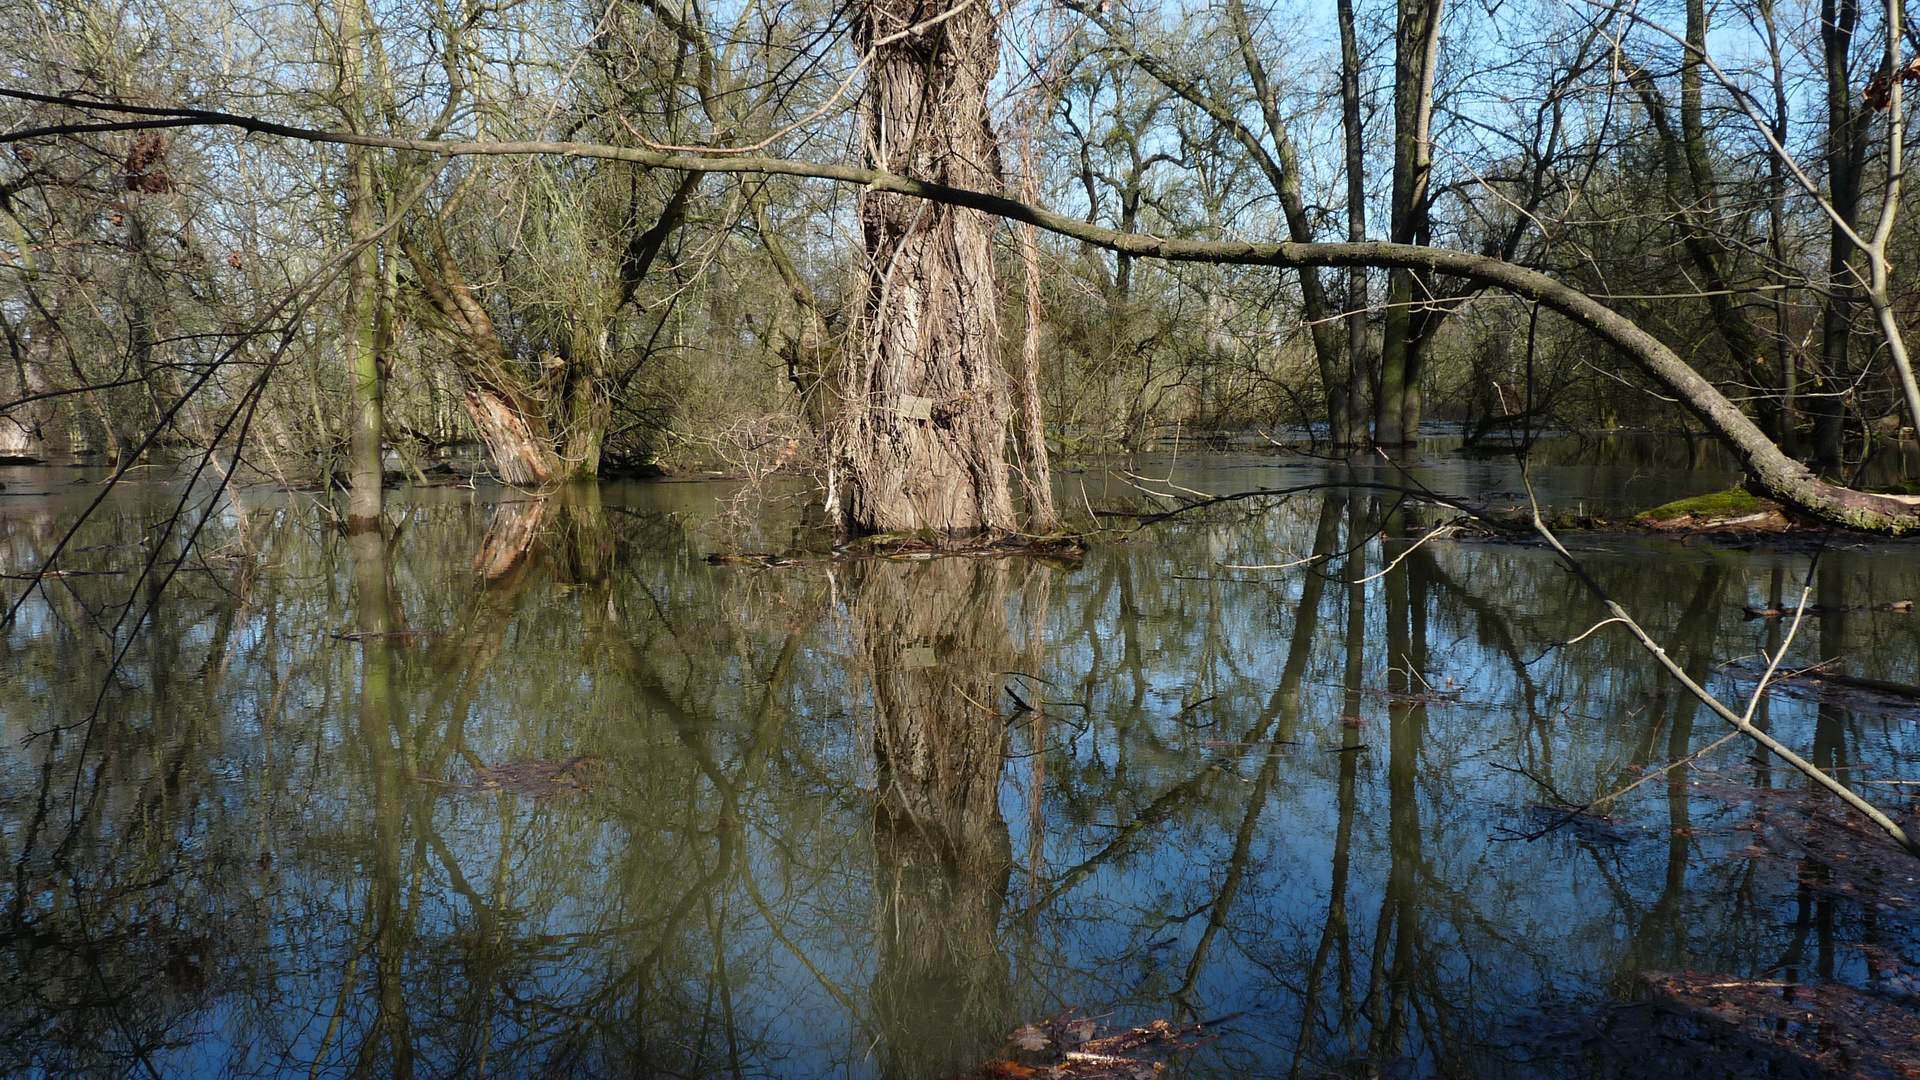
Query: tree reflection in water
<point>387,1045</point>
<point>935,643</point>
<point>823,840</point>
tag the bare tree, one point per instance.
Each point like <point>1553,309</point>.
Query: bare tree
<point>1409,322</point>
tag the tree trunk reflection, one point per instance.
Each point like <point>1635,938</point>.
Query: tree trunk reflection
<point>935,637</point>
<point>1660,940</point>
<point>379,725</point>
<point>1284,708</point>
<point>1397,935</point>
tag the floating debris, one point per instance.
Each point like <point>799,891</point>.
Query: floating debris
<point>1836,1029</point>
<point>1689,1023</point>
<point>756,558</point>
<point>1270,742</point>
<point>1781,1022</point>
<point>1064,1048</point>
<point>1896,607</point>
<point>375,635</point>
<point>1824,683</point>
<point>535,779</point>
<point>1405,699</point>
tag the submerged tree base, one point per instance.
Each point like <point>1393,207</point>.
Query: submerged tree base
<point>932,542</point>
<point>922,544</point>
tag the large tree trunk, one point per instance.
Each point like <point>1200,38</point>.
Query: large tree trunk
<point>1847,137</point>
<point>366,417</point>
<point>1784,354</point>
<point>926,400</point>
<point>513,430</point>
<point>1037,471</point>
<point>503,403</point>
<point>1409,320</point>
<point>28,430</point>
<point>1359,338</point>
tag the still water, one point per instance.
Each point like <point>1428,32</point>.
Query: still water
<point>594,806</point>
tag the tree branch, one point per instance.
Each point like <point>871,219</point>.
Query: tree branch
<point>1766,464</point>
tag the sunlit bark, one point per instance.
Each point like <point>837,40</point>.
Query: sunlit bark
<point>1404,342</point>
<point>925,400</point>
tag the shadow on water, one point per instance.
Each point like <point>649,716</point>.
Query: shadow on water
<point>529,788</point>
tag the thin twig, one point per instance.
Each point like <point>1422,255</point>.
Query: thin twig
<point>1663,770</point>
<point>1400,558</point>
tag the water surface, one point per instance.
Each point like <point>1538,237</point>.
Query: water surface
<point>864,818</point>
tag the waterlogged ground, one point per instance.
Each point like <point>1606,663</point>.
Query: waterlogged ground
<point>532,789</point>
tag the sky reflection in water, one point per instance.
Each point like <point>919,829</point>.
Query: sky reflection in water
<point>813,833</point>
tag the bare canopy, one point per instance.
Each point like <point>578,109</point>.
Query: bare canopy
<point>1765,464</point>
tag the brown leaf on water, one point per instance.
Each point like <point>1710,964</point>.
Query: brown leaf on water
<point>1030,1038</point>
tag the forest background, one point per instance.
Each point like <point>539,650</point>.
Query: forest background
<point>293,272</point>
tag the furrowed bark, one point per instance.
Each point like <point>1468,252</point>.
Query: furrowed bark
<point>926,401</point>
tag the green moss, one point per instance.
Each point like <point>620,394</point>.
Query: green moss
<point>1729,503</point>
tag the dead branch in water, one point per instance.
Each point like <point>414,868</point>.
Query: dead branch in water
<point>1743,724</point>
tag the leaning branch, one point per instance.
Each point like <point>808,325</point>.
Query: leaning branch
<point>1778,474</point>
<point>1742,724</point>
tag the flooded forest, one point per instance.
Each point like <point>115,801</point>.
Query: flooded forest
<point>958,540</point>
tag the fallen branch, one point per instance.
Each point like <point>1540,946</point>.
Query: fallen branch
<point>1743,724</point>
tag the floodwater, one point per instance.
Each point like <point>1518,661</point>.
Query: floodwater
<point>594,806</point>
